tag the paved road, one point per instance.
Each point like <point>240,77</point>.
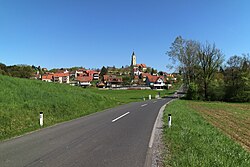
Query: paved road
<point>117,137</point>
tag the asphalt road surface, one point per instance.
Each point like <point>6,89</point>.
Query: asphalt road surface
<point>117,137</point>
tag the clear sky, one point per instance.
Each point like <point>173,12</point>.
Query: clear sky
<point>93,33</point>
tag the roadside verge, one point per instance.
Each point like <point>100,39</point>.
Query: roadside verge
<point>155,146</point>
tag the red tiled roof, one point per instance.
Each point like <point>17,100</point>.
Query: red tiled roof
<point>82,74</point>
<point>92,72</point>
<point>84,78</point>
<point>61,74</point>
<point>152,78</point>
<point>145,74</point>
<point>47,76</point>
<point>111,78</point>
<point>142,65</point>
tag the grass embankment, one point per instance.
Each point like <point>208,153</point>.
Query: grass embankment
<point>207,134</point>
<point>21,100</point>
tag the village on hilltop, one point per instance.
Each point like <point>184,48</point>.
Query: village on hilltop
<point>137,76</point>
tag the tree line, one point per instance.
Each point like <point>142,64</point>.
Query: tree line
<point>207,75</point>
<point>20,71</point>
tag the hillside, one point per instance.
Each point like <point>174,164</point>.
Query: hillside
<point>21,100</point>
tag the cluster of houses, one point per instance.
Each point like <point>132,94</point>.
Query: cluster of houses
<point>139,74</point>
<point>81,77</point>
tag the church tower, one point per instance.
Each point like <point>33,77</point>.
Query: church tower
<point>133,61</point>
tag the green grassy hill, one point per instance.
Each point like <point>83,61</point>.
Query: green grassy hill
<point>21,100</point>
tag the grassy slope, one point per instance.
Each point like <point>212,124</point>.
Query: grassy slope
<point>21,100</point>
<point>192,141</point>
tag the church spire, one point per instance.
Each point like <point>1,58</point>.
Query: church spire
<point>133,61</point>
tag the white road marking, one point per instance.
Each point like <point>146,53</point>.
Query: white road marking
<point>144,105</point>
<point>120,116</point>
<point>154,101</point>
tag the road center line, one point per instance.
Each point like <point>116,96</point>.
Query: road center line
<point>144,105</point>
<point>120,116</point>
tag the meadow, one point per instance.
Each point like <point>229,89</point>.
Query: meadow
<point>127,96</point>
<point>207,134</point>
<point>21,101</point>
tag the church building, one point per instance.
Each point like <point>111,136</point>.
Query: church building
<point>137,68</point>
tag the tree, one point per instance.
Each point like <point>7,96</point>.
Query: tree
<point>237,78</point>
<point>210,59</point>
<point>148,70</point>
<point>197,63</point>
<point>126,80</point>
<point>3,69</point>
<point>233,69</point>
<point>153,71</point>
<point>160,73</point>
<point>75,68</point>
<point>21,71</point>
<point>185,53</point>
<point>104,71</point>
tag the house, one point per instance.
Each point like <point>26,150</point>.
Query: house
<point>144,76</point>
<point>156,82</point>
<point>142,67</point>
<point>61,77</point>
<point>82,72</point>
<point>93,74</point>
<point>96,75</point>
<point>84,80</point>
<point>48,77</point>
<point>112,81</point>
<point>137,72</point>
<point>74,74</point>
<point>138,69</point>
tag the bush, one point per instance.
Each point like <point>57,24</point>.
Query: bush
<point>216,91</point>
<point>193,92</point>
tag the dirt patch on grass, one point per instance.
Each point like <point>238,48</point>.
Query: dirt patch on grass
<point>235,124</point>
<point>240,106</point>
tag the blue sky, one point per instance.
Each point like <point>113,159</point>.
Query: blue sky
<point>93,33</point>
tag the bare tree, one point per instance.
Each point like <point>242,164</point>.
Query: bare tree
<point>210,59</point>
<point>184,53</point>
